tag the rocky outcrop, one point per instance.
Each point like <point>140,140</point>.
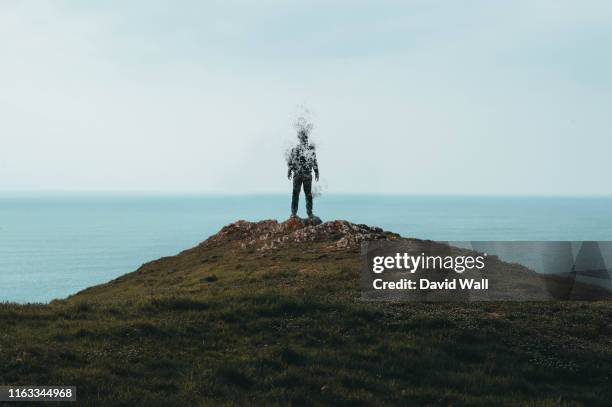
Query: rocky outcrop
<point>270,234</point>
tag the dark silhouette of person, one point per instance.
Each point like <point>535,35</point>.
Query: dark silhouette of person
<point>302,161</point>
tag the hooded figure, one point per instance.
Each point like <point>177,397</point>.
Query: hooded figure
<point>302,161</point>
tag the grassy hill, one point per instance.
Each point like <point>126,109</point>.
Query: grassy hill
<point>270,314</point>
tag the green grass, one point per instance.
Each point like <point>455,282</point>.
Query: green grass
<point>227,326</point>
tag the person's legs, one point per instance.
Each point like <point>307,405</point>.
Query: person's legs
<point>308,193</point>
<point>295,198</point>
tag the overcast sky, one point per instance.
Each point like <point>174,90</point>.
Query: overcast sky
<point>472,97</point>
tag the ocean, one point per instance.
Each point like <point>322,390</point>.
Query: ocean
<point>52,246</point>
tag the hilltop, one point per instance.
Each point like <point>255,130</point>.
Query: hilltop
<point>271,313</point>
<point>246,253</point>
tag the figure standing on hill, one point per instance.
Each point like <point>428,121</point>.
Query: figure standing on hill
<point>302,161</point>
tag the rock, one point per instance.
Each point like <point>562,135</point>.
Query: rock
<point>313,221</point>
<point>269,234</point>
<point>296,222</point>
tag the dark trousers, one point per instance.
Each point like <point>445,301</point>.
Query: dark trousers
<point>297,184</point>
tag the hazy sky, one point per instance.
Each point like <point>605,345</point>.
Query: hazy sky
<point>408,96</point>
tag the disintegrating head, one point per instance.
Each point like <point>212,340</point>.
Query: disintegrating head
<point>303,136</point>
<point>303,124</point>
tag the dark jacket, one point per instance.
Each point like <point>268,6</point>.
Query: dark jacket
<point>302,161</point>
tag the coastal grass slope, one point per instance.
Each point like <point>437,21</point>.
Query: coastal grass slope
<point>270,313</point>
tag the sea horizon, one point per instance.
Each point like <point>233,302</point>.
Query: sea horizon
<point>55,244</point>
<point>186,193</point>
